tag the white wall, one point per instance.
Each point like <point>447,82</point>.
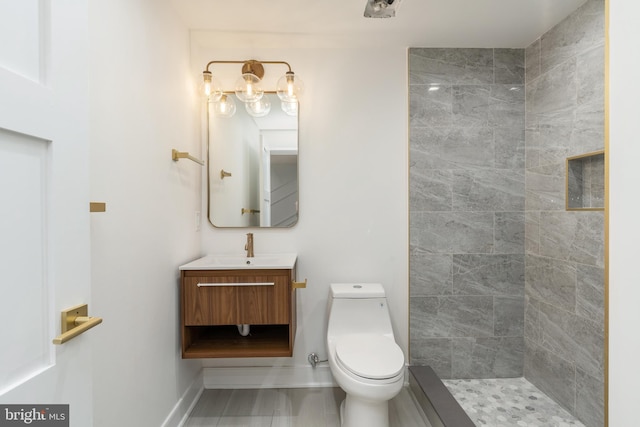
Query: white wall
<point>624,237</point>
<point>353,163</point>
<point>142,105</point>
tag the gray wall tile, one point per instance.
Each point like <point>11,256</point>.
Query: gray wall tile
<point>452,232</point>
<point>450,66</point>
<point>434,352</point>
<point>430,189</point>
<point>551,374</point>
<point>430,274</point>
<point>488,190</point>
<point>573,236</point>
<point>508,316</point>
<point>590,292</point>
<point>459,316</point>
<point>491,357</point>
<point>509,66</point>
<point>509,233</point>
<point>466,202</point>
<point>488,275</point>
<point>470,105</point>
<point>551,281</point>
<point>506,106</point>
<point>589,399</point>
<point>509,143</point>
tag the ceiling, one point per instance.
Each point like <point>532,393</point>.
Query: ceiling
<point>334,23</point>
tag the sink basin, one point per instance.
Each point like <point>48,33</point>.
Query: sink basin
<point>235,262</point>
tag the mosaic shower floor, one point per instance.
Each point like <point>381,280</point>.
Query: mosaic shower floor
<point>508,402</point>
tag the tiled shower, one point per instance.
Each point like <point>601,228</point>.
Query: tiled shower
<point>504,281</point>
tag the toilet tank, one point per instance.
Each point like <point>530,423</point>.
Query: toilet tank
<point>358,308</point>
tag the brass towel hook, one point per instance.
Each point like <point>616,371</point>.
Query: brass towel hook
<point>224,173</point>
<point>177,155</point>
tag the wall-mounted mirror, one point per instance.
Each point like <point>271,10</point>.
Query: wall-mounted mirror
<point>253,168</point>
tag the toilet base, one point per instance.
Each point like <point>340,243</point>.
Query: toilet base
<point>356,412</point>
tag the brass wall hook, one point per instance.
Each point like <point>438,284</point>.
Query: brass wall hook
<point>224,173</point>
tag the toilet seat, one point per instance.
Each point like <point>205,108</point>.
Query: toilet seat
<point>373,357</point>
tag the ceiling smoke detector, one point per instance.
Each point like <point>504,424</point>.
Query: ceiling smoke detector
<point>381,8</point>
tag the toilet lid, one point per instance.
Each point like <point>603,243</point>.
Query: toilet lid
<point>370,356</point>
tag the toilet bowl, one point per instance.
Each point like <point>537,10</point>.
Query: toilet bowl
<point>363,356</point>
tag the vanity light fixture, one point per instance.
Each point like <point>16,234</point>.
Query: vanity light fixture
<point>248,89</point>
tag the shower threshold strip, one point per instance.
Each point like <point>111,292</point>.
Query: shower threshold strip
<point>436,401</point>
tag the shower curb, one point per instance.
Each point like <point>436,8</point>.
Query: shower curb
<point>436,401</point>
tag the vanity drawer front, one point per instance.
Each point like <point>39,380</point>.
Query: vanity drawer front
<point>231,298</point>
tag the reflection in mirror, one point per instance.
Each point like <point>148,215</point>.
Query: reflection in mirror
<point>253,168</point>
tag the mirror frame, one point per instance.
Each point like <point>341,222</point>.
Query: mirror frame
<point>209,173</point>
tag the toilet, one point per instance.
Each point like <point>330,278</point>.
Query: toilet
<point>363,356</point>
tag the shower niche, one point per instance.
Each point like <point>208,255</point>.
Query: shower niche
<point>585,182</point>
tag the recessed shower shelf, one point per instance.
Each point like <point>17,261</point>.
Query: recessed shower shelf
<point>585,182</point>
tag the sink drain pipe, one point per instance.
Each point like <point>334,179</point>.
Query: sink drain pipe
<point>243,329</point>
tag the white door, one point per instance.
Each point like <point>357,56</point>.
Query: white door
<point>44,205</point>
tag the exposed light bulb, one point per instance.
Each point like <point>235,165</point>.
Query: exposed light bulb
<point>225,107</point>
<point>289,87</point>
<point>248,88</point>
<point>211,88</point>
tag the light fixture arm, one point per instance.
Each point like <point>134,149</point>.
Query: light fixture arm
<point>250,65</point>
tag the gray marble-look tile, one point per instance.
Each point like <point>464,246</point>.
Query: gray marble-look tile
<point>509,66</point>
<point>451,147</point>
<point>488,275</point>
<point>460,316</point>
<point>430,274</point>
<point>545,188</point>
<point>430,190</point>
<point>506,106</point>
<point>488,190</point>
<point>509,233</point>
<point>532,327</point>
<point>452,232</point>
<point>470,105</point>
<point>552,97</point>
<point>434,352</point>
<point>589,399</point>
<point>551,281</point>
<point>509,316</point>
<point>509,402</point>
<point>573,236</point>
<point>532,61</point>
<point>450,66</point>
<point>532,147</point>
<point>490,357</point>
<point>590,292</point>
<point>509,145</point>
<point>575,339</point>
<point>551,374</point>
<point>590,86</point>
<point>559,44</point>
<point>430,105</point>
<point>532,232</point>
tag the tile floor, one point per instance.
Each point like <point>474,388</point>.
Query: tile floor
<point>290,407</point>
<point>508,402</point>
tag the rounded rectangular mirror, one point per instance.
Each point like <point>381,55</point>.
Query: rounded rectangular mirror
<point>253,167</point>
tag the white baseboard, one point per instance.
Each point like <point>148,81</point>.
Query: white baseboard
<point>185,404</point>
<point>268,377</point>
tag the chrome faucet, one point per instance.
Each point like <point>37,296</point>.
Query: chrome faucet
<point>249,245</point>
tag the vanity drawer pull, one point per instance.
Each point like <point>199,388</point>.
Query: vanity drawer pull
<point>200,285</point>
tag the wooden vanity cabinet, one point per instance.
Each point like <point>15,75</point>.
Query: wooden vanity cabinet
<point>214,302</point>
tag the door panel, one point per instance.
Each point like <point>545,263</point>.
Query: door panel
<point>44,202</point>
